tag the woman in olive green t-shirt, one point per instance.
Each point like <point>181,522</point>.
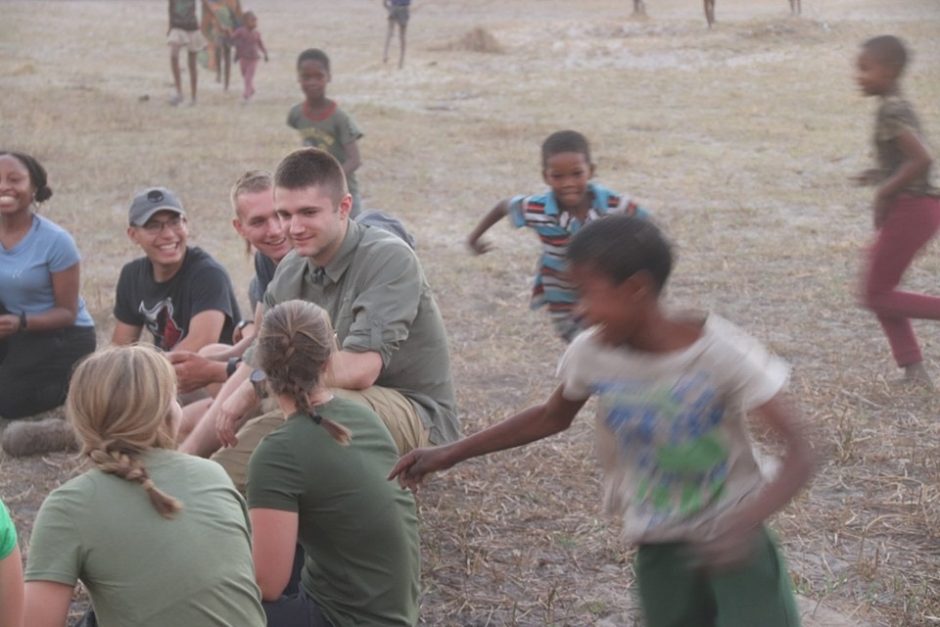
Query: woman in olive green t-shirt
<point>321,478</point>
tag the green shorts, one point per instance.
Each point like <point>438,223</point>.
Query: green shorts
<point>674,593</point>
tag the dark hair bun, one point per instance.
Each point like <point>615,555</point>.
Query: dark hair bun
<point>43,194</point>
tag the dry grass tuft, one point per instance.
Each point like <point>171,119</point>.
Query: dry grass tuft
<point>477,40</point>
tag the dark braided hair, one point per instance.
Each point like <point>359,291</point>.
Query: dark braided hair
<point>37,174</point>
<point>294,347</point>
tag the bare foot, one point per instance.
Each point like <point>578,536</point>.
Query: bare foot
<point>916,374</point>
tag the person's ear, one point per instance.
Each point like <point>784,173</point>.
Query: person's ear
<point>345,205</point>
<point>132,234</point>
<point>591,170</point>
<point>239,227</point>
<point>639,286</point>
<point>545,176</point>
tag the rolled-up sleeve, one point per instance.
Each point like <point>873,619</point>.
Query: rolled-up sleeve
<point>386,303</point>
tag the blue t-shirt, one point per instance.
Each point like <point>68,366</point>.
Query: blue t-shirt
<point>26,270</point>
<point>7,533</point>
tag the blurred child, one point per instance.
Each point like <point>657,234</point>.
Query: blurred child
<point>184,33</point>
<point>399,11</point>
<point>672,437</point>
<point>906,205</point>
<point>248,50</point>
<point>220,18</point>
<point>571,202</point>
<point>11,573</point>
<point>322,124</point>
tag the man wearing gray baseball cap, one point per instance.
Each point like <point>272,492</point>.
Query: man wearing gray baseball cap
<point>180,293</point>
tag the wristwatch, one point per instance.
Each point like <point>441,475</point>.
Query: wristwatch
<point>258,379</point>
<point>231,365</point>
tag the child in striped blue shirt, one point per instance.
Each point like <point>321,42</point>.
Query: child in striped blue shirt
<point>556,215</point>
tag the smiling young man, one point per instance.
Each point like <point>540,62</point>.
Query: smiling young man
<point>393,353</point>
<point>256,221</point>
<point>180,293</point>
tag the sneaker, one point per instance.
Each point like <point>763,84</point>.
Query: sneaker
<point>175,100</point>
<point>50,435</point>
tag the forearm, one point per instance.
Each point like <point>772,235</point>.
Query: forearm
<point>50,320</point>
<point>351,165</point>
<point>353,371</point>
<point>795,470</point>
<point>909,170</point>
<point>494,215</point>
<point>529,425</point>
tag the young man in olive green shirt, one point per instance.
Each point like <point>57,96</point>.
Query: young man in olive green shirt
<point>393,355</point>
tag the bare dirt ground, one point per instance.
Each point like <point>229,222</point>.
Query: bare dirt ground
<point>740,139</point>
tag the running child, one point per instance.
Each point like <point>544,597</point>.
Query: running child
<point>672,440</point>
<point>320,121</point>
<point>906,205</point>
<point>248,51</point>
<point>555,215</point>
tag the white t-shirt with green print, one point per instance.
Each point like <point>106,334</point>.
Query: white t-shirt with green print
<point>671,434</point>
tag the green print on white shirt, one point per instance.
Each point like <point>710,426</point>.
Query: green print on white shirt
<point>671,437</point>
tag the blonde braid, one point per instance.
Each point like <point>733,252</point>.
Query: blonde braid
<point>128,467</point>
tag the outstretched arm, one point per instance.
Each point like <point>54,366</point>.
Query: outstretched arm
<point>529,425</point>
<point>497,213</point>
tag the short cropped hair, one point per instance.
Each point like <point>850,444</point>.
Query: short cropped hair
<point>312,167</point>
<point>619,246</point>
<point>888,50</point>
<point>565,141</point>
<point>314,54</point>
<point>251,182</point>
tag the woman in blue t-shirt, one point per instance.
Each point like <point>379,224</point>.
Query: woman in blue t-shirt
<point>44,326</point>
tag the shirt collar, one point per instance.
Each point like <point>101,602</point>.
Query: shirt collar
<point>337,266</point>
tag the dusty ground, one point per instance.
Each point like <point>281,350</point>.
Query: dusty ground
<point>740,140</point>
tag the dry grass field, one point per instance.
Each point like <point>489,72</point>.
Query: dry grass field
<point>740,139</point>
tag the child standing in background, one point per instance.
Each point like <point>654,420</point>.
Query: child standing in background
<point>906,205</point>
<point>248,51</point>
<point>399,11</point>
<point>571,202</point>
<point>322,124</point>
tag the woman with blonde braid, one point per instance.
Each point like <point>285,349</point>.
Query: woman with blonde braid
<point>156,536</point>
<point>319,479</point>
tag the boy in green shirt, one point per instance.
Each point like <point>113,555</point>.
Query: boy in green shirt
<point>322,124</point>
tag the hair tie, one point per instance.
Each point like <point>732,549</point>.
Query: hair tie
<point>317,418</point>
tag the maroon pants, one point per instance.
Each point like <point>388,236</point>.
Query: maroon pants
<point>911,223</point>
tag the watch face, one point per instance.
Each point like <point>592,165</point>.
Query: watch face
<point>258,376</point>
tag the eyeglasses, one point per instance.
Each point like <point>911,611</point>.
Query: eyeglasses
<point>155,227</point>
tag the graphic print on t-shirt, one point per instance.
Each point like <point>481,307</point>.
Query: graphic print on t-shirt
<point>317,138</point>
<point>669,439</point>
<point>160,322</point>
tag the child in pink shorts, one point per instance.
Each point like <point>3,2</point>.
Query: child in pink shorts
<point>248,51</point>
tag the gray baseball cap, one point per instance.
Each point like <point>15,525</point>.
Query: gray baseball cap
<point>152,200</point>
